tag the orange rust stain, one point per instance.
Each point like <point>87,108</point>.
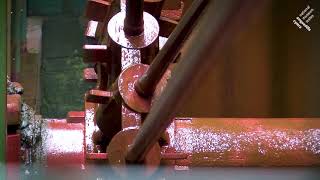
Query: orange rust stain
<point>247,142</point>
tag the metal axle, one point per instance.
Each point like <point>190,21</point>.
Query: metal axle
<point>133,22</point>
<point>145,86</point>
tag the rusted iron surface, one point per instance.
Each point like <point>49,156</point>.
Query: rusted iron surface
<point>129,118</point>
<point>76,117</point>
<point>173,156</point>
<point>108,118</point>
<point>131,98</point>
<point>187,74</point>
<point>174,14</point>
<point>126,84</point>
<point>98,96</point>
<point>146,85</point>
<point>129,57</point>
<point>247,141</point>
<point>96,156</point>
<point>162,84</point>
<point>133,21</point>
<point>13,87</point>
<point>104,73</point>
<point>199,142</point>
<point>97,10</point>
<point>172,4</point>
<point>118,148</point>
<point>166,26</point>
<point>149,35</point>
<point>164,156</point>
<point>63,144</point>
<point>13,109</point>
<point>153,7</point>
<point>90,127</point>
<point>186,5</point>
<point>90,75</point>
<point>91,29</point>
<point>13,155</point>
<point>96,53</point>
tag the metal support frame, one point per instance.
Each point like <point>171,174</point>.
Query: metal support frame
<point>217,27</point>
<point>145,86</point>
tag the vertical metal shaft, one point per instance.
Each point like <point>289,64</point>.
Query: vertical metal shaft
<point>146,84</point>
<point>153,7</point>
<point>220,22</point>
<point>133,22</point>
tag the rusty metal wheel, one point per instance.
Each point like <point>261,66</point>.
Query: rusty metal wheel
<point>118,148</point>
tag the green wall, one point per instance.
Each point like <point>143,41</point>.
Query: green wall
<point>3,59</point>
<point>55,7</point>
<point>61,83</point>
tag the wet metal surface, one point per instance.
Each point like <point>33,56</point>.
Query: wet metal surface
<point>96,53</point>
<point>90,127</point>
<point>164,110</point>
<point>13,113</point>
<point>146,85</point>
<point>154,7</point>
<point>13,148</point>
<point>133,21</point>
<point>162,42</point>
<point>129,57</point>
<point>97,10</point>
<point>90,75</point>
<point>13,156</point>
<point>130,118</point>
<point>247,142</point>
<point>150,34</point>
<point>162,84</point>
<point>76,117</point>
<point>98,96</point>
<point>174,14</point>
<point>91,29</point>
<point>167,26</point>
<point>119,145</point>
<point>126,82</point>
<point>63,143</point>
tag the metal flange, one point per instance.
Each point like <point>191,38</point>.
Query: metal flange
<point>146,38</point>
<point>118,147</point>
<point>126,82</point>
<point>146,42</point>
<point>130,96</point>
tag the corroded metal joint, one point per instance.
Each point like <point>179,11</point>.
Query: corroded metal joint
<point>143,90</point>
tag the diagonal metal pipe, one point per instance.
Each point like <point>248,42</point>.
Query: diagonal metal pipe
<point>146,84</point>
<point>221,21</point>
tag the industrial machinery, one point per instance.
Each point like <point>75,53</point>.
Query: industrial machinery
<point>143,78</point>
